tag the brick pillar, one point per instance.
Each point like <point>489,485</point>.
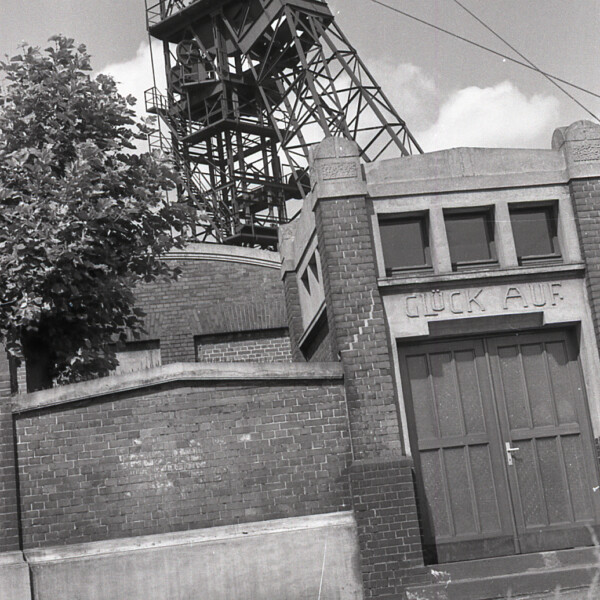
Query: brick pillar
<point>14,573</point>
<point>291,292</point>
<point>382,479</point>
<point>580,144</point>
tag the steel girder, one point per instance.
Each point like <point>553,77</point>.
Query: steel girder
<point>252,85</point>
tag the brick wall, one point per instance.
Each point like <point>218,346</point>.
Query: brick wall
<point>210,297</point>
<point>586,200</point>
<point>355,312</point>
<point>388,526</point>
<point>182,458</point>
<point>251,346</point>
<point>9,537</point>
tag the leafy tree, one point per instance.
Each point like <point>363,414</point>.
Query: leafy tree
<point>83,218</point>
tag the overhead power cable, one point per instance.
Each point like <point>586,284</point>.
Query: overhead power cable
<point>548,77</point>
<point>486,48</point>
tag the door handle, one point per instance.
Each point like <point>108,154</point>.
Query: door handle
<point>509,451</point>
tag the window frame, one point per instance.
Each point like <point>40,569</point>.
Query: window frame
<point>490,229</point>
<point>551,209</point>
<point>423,219</point>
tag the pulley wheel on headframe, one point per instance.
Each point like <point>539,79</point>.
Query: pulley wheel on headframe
<point>189,52</point>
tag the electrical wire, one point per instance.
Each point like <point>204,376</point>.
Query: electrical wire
<point>548,77</point>
<point>486,48</point>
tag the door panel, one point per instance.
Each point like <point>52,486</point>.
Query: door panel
<point>466,399</point>
<point>541,406</point>
<point>462,491</point>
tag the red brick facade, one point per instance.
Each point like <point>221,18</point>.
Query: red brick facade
<point>184,458</point>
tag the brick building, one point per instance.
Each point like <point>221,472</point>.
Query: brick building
<point>404,404</point>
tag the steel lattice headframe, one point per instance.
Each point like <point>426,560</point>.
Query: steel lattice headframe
<point>251,86</point>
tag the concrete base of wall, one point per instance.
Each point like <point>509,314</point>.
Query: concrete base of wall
<point>14,577</point>
<point>291,559</point>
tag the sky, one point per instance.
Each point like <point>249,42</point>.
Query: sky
<point>449,93</point>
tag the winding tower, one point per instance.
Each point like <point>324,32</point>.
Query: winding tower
<point>251,85</point>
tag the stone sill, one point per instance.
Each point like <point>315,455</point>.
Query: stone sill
<point>182,373</point>
<point>488,275</point>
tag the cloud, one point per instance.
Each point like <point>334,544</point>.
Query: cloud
<point>134,76</point>
<point>411,91</point>
<point>497,116</point>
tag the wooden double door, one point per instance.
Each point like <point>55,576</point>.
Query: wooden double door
<point>502,442</point>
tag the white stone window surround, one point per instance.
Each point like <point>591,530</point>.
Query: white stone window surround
<point>310,283</point>
<point>497,200</point>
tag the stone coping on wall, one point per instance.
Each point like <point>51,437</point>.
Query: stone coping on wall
<point>188,538</point>
<point>177,373</point>
<point>460,169</point>
<point>11,558</point>
<point>220,252</point>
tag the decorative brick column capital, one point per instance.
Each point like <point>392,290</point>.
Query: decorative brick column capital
<point>580,143</point>
<point>335,170</point>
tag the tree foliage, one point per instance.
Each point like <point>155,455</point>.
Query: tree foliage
<point>83,218</point>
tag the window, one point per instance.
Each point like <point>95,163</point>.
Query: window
<point>534,230</point>
<point>470,238</point>
<point>405,243</point>
<point>312,294</point>
<point>311,272</point>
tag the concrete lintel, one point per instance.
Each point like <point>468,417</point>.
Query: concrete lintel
<point>465,169</point>
<point>182,373</point>
<point>389,284</point>
<point>187,538</point>
<point>466,184</point>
